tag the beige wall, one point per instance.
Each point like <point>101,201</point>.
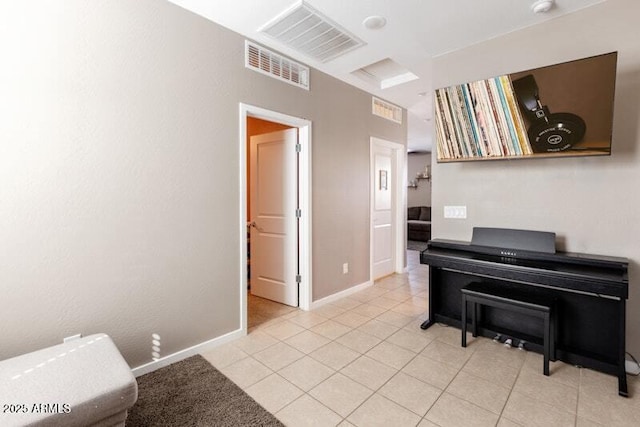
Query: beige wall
<point>119,174</point>
<point>420,196</point>
<point>591,203</point>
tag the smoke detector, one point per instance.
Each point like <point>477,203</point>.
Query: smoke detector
<point>542,6</point>
<point>374,22</point>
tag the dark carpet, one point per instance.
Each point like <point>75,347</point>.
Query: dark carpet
<point>414,245</point>
<point>194,393</point>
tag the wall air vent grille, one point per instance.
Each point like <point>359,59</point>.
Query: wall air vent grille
<point>272,64</point>
<point>386,110</point>
<point>309,32</point>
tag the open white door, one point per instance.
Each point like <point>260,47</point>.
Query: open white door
<point>383,231</point>
<point>273,221</point>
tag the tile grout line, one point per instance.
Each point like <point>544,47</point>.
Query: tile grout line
<point>511,389</point>
<point>575,422</point>
<point>422,417</point>
<point>384,340</point>
<point>373,392</point>
<point>445,390</point>
<point>305,354</point>
<point>278,340</point>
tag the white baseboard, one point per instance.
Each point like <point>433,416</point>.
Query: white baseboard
<point>631,367</point>
<point>338,295</point>
<point>208,345</point>
<point>187,352</point>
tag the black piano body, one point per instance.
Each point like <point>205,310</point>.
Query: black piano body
<point>590,291</point>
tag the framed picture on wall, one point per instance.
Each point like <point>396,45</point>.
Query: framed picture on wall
<point>560,110</point>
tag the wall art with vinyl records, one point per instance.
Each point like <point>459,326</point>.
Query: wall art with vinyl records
<point>561,110</point>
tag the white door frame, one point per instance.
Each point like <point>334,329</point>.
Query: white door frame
<point>304,190</point>
<point>399,201</point>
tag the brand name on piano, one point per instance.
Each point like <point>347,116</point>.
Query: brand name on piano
<point>508,253</point>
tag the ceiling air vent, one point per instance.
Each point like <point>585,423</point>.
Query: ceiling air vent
<point>272,64</point>
<point>309,32</point>
<point>386,110</point>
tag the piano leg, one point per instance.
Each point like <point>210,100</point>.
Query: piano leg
<point>622,385</point>
<point>427,324</point>
<point>463,320</point>
<point>622,372</point>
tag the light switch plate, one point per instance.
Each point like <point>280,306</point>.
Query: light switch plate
<point>458,212</point>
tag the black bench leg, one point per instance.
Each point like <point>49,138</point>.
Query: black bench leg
<point>475,307</point>
<point>463,316</point>
<point>547,344</point>
<point>622,383</point>
<point>554,335</point>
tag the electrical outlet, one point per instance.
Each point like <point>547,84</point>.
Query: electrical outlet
<point>72,338</point>
<point>345,268</point>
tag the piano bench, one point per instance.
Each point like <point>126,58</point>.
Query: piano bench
<point>507,298</point>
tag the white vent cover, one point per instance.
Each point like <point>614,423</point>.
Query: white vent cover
<point>386,110</point>
<point>270,63</point>
<point>306,30</point>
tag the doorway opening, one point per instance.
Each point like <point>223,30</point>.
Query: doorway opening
<point>275,231</point>
<point>418,201</point>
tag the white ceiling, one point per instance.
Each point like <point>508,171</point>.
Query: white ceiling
<point>416,31</point>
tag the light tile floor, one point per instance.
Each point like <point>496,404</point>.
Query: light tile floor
<point>364,361</point>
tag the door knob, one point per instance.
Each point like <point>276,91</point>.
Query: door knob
<point>254,225</point>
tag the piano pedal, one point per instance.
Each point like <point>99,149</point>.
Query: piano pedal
<point>521,345</point>
<point>497,338</point>
<point>508,342</point>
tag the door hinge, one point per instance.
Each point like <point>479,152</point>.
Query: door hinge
<point>298,278</point>
<point>298,213</point>
<point>298,148</point>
